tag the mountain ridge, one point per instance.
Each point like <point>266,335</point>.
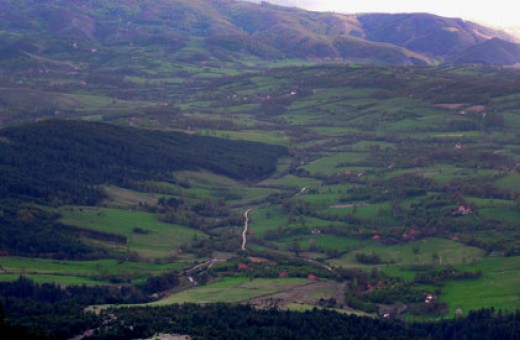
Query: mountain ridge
<point>228,29</point>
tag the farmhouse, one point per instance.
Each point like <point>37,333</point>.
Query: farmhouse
<point>313,277</point>
<point>462,210</point>
<point>243,266</point>
<point>283,275</point>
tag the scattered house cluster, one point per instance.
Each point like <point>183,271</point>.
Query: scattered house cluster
<point>429,298</point>
<point>411,235</point>
<point>315,231</point>
<point>371,287</point>
<point>463,211</point>
<point>349,172</point>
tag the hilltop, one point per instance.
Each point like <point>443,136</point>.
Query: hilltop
<point>201,30</point>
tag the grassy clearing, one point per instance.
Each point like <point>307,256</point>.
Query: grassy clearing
<point>336,163</point>
<point>62,280</point>
<point>120,197</point>
<point>98,271</point>
<point>161,240</point>
<point>428,251</point>
<point>206,185</point>
<point>291,181</point>
<point>498,287</point>
<point>232,289</point>
<point>301,307</point>
<point>324,241</point>
<point>265,219</point>
<point>510,182</point>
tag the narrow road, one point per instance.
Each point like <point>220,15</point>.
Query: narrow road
<point>246,226</point>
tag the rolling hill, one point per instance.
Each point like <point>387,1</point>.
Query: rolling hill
<point>226,29</point>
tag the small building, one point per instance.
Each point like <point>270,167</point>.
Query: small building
<point>376,237</point>
<point>414,232</point>
<point>243,266</point>
<point>463,211</point>
<point>313,277</point>
<point>429,298</point>
<point>315,231</point>
<point>283,275</point>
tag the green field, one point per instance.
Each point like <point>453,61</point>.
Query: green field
<point>162,239</point>
<point>232,289</point>
<point>95,272</point>
<point>429,251</point>
<point>498,287</point>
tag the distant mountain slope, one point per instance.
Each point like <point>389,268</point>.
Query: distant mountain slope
<point>198,30</point>
<point>426,33</point>
<point>490,52</point>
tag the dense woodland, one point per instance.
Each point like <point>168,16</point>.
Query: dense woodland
<point>245,322</point>
<point>48,311</point>
<point>63,160</point>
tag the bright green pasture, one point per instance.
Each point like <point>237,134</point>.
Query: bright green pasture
<point>265,219</point>
<point>162,240</point>
<point>273,218</point>
<point>498,287</point>
<point>57,279</point>
<point>291,181</point>
<point>88,272</point>
<point>510,182</point>
<point>232,289</point>
<point>324,241</point>
<point>337,163</point>
<point>428,251</point>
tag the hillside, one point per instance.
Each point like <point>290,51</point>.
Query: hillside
<point>200,30</point>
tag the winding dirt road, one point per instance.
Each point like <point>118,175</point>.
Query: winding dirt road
<point>246,227</point>
<point>246,220</point>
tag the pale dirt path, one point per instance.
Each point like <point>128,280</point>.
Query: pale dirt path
<point>246,227</point>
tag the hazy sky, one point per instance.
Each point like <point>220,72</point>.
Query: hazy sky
<point>495,12</point>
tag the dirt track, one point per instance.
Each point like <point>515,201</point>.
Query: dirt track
<point>246,227</point>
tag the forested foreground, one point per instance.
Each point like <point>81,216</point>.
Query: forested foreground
<point>48,311</point>
<point>245,322</point>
